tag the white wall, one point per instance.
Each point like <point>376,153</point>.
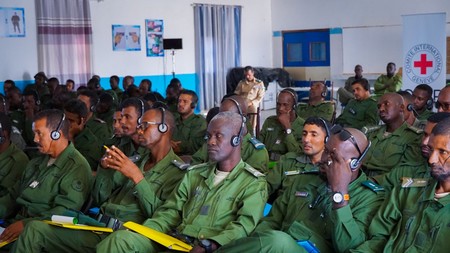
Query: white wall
<point>352,14</point>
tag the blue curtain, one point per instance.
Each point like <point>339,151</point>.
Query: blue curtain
<point>217,49</point>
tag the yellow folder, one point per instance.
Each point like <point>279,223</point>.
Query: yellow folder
<point>161,238</point>
<point>6,242</point>
<point>80,227</point>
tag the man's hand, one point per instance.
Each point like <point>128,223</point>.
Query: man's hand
<point>176,146</point>
<point>338,172</point>
<point>197,249</point>
<point>12,231</point>
<point>117,160</point>
<point>285,119</point>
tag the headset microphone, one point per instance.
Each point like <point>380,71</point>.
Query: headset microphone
<point>410,108</point>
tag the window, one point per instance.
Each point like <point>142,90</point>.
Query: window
<point>294,52</point>
<point>317,51</point>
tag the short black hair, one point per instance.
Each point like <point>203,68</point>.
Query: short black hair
<point>192,94</point>
<point>320,122</point>
<point>426,88</point>
<point>92,95</point>
<point>116,78</point>
<point>442,128</point>
<point>438,117</point>
<point>364,83</point>
<point>13,84</point>
<point>137,103</point>
<point>54,117</point>
<point>249,68</point>
<point>77,107</point>
<point>148,82</point>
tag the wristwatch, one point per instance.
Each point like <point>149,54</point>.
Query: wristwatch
<point>338,197</point>
<point>207,245</point>
<point>288,131</point>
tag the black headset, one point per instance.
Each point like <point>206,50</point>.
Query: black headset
<point>430,103</point>
<point>139,120</point>
<point>162,127</point>
<point>325,92</point>
<point>236,139</point>
<point>55,134</point>
<point>294,96</point>
<point>327,130</point>
<point>37,99</point>
<point>94,106</point>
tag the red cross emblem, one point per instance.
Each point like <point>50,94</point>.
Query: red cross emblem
<point>423,64</point>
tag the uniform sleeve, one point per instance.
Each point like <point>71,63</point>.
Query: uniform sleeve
<point>259,95</point>
<point>382,225</point>
<point>238,89</point>
<point>8,205</point>
<point>326,111</point>
<point>196,138</point>
<point>258,159</point>
<point>371,117</point>
<point>200,156</point>
<point>379,85</point>
<point>412,152</point>
<point>263,133</point>
<point>104,185</point>
<point>396,85</point>
<point>12,172</point>
<point>275,176</point>
<point>274,219</point>
<point>292,144</point>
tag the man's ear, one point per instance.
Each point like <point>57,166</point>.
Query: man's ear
<point>82,121</point>
<point>402,107</point>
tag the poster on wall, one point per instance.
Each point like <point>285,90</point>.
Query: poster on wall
<point>154,29</point>
<point>13,22</point>
<point>126,37</point>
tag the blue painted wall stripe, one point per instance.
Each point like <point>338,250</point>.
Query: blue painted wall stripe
<point>336,30</point>
<point>276,34</point>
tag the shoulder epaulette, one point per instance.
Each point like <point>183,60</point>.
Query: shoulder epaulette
<point>180,165</point>
<point>15,130</point>
<point>258,81</point>
<point>99,120</point>
<point>257,144</point>
<point>369,129</point>
<point>193,167</point>
<point>254,171</point>
<point>372,186</point>
<point>408,182</point>
<point>415,129</point>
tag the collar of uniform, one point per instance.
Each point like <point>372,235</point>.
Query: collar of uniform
<point>209,173</point>
<point>86,133</point>
<point>61,160</point>
<point>428,194</point>
<point>187,121</point>
<point>161,165</point>
<point>397,132</point>
<point>357,182</point>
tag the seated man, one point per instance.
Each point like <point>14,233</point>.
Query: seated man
<point>389,82</point>
<point>81,137</point>
<point>253,151</point>
<point>148,186</point>
<point>414,219</point>
<point>12,159</point>
<point>214,204</point>
<point>97,126</point>
<point>293,164</point>
<point>443,101</point>
<point>190,128</point>
<point>316,106</point>
<point>281,133</point>
<point>52,183</point>
<point>346,93</point>
<point>330,211</point>
<point>409,111</point>
<point>423,101</point>
<point>394,144</point>
<point>361,111</point>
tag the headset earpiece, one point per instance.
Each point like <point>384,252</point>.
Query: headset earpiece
<point>430,104</point>
<point>139,120</point>
<point>236,139</point>
<point>37,99</point>
<point>355,162</point>
<point>327,130</point>
<point>55,134</point>
<point>294,97</point>
<point>193,105</point>
<point>162,127</point>
<point>94,106</point>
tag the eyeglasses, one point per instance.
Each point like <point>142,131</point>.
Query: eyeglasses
<point>144,125</point>
<point>445,106</point>
<point>345,135</point>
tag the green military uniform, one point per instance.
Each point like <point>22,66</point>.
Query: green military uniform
<point>99,128</point>
<point>419,124</point>
<point>394,84</point>
<point>389,150</point>
<point>277,141</point>
<point>324,109</point>
<point>346,93</point>
<point>191,132</point>
<point>251,153</point>
<point>424,115</point>
<point>223,213</point>
<point>43,92</point>
<point>119,94</point>
<point>108,181</point>
<point>287,169</point>
<point>129,203</point>
<point>17,119</point>
<point>410,220</point>
<point>304,213</point>
<point>12,163</point>
<point>46,190</point>
<point>358,114</point>
<point>89,146</point>
<point>107,117</point>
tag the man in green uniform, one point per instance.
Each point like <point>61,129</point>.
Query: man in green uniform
<point>292,164</point>
<point>329,212</point>
<point>346,93</point>
<point>107,104</point>
<point>443,102</point>
<point>12,159</point>
<point>148,185</point>
<point>415,217</point>
<point>423,101</point>
<point>83,139</point>
<point>282,133</point>
<point>40,87</point>
<point>316,106</point>
<point>389,82</point>
<point>253,151</point>
<point>107,181</point>
<point>97,126</point>
<point>190,129</point>
<point>58,180</point>
<point>394,144</point>
<point>114,83</point>
<point>214,203</point>
<point>361,111</point>
<point>404,174</point>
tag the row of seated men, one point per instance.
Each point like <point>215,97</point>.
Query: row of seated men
<point>162,127</point>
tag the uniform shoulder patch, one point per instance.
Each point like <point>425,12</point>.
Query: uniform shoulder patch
<point>370,129</point>
<point>408,182</point>
<point>372,186</point>
<point>99,120</point>
<point>180,164</point>
<point>257,144</point>
<point>415,129</point>
<point>193,167</point>
<point>254,171</point>
<point>77,185</point>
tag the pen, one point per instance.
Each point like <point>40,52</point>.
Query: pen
<point>106,147</point>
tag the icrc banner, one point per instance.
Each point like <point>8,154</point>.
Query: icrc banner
<point>424,50</point>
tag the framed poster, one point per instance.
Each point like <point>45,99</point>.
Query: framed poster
<point>126,37</point>
<point>13,22</point>
<point>154,30</point>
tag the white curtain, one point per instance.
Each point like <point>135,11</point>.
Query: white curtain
<point>217,49</point>
<point>65,39</point>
